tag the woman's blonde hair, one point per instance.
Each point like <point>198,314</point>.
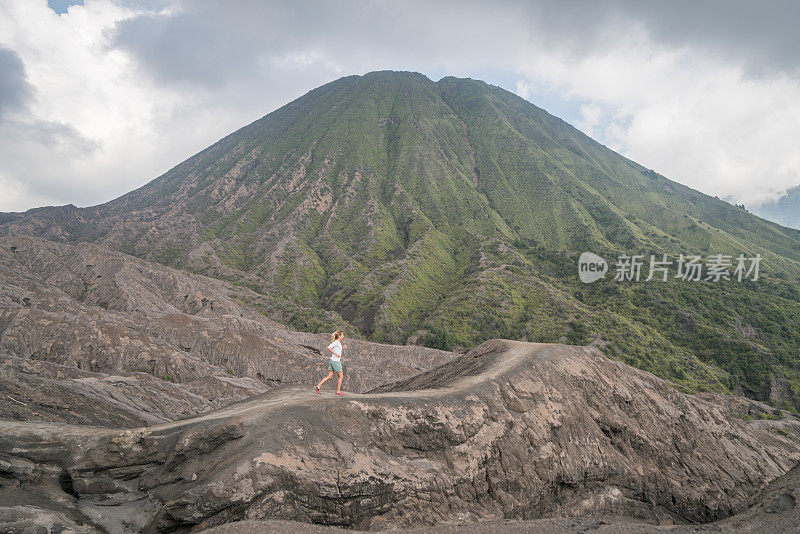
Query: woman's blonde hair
<point>336,335</point>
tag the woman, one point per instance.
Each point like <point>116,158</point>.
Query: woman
<point>335,363</point>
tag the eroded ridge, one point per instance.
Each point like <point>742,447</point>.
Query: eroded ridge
<point>510,430</point>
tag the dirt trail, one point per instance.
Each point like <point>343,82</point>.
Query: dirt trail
<point>514,354</point>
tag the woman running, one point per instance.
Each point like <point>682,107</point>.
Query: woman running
<point>335,363</point>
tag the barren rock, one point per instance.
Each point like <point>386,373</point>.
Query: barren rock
<point>511,430</point>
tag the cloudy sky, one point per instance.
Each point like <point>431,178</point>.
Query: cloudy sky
<point>100,97</point>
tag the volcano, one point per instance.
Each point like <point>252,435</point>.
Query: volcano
<point>448,213</point>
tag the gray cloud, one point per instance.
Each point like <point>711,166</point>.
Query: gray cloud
<point>39,152</point>
<point>33,150</point>
<point>208,43</point>
<point>761,34</point>
<point>15,91</point>
<point>59,137</point>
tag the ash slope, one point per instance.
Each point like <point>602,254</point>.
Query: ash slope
<point>93,336</point>
<point>511,430</point>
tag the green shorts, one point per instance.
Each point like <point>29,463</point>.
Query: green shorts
<point>336,367</point>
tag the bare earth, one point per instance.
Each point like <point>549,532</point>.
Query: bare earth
<point>96,337</point>
<point>511,430</point>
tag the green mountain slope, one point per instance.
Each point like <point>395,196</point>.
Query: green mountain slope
<point>451,212</point>
<point>785,210</point>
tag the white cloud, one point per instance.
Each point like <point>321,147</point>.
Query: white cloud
<point>15,194</point>
<point>591,115</point>
<point>96,127</point>
<point>698,120</point>
<point>524,89</point>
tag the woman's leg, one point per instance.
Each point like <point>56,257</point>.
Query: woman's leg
<point>330,375</point>
<point>339,383</point>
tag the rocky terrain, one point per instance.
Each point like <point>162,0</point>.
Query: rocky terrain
<point>510,431</point>
<point>93,336</point>
<point>773,510</point>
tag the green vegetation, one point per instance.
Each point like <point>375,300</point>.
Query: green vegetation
<point>439,338</point>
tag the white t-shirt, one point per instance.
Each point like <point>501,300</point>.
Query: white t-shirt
<point>336,347</point>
